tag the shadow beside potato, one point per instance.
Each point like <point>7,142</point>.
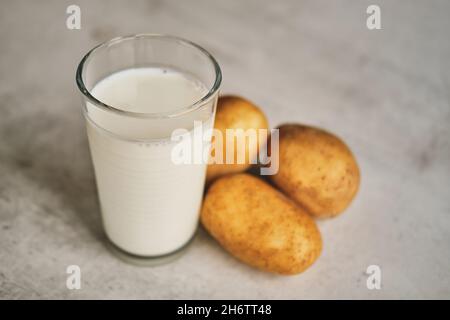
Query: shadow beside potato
<point>272,229</point>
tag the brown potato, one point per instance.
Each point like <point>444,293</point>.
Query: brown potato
<point>316,169</point>
<point>259,225</point>
<point>235,113</point>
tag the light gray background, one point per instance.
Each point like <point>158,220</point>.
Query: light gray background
<point>386,93</point>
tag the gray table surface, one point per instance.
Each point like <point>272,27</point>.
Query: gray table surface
<point>386,92</point>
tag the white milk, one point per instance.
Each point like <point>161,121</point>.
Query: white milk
<point>149,205</point>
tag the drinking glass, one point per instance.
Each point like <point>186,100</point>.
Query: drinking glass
<point>149,204</point>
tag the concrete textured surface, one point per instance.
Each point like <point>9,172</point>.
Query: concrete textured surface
<point>385,92</point>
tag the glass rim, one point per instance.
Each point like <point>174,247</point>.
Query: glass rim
<point>170,114</point>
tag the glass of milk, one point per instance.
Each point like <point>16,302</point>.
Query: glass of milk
<point>136,91</point>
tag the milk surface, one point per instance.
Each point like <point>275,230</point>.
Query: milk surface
<point>150,206</point>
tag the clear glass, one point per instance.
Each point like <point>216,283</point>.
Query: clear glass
<point>149,205</point>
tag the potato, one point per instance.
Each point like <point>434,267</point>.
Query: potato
<point>259,225</point>
<point>235,113</point>
<point>316,169</point>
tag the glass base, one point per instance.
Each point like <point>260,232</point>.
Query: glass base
<point>148,261</point>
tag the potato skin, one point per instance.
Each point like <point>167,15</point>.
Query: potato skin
<point>316,169</point>
<point>235,112</point>
<point>259,225</point>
